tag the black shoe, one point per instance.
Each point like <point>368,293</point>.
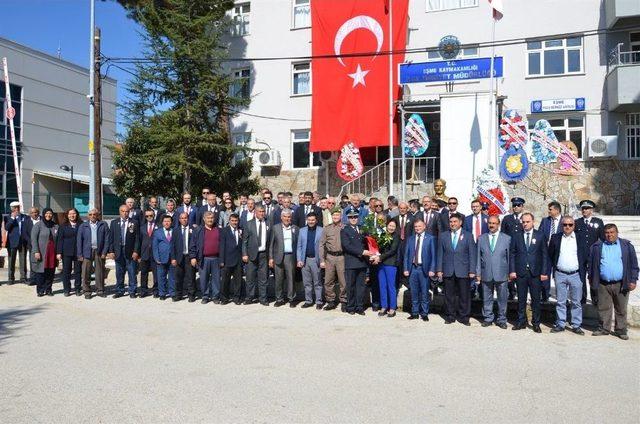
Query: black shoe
<point>49,293</point>
<point>600,332</point>
<point>503,325</point>
<point>216,301</point>
<point>319,306</point>
<point>382,313</point>
<point>425,318</point>
<point>176,299</point>
<point>225,302</point>
<point>40,294</point>
<point>156,295</point>
<point>536,329</point>
<point>265,303</point>
<point>78,293</point>
<point>557,329</point>
<point>621,334</point>
<point>512,297</point>
<point>391,314</point>
<point>117,295</point>
<point>360,313</point>
<point>279,303</point>
<point>132,296</point>
<point>307,305</point>
<point>192,299</point>
<point>351,312</point>
<point>142,295</point>
<point>449,321</point>
<point>486,323</point>
<point>205,300</point>
<point>163,297</point>
<point>343,307</point>
<point>102,294</point>
<point>578,331</point>
<point>87,295</point>
<point>237,301</point>
<point>412,317</point>
<point>67,294</point>
<point>375,308</point>
<point>246,302</point>
<point>519,327</point>
<point>292,304</point>
<point>330,306</point>
<point>11,282</point>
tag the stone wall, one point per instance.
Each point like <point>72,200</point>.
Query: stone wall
<point>300,180</point>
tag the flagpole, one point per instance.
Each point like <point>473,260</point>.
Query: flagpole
<point>10,111</point>
<point>390,97</point>
<point>493,143</point>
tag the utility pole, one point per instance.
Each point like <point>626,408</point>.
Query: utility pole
<point>97,122</point>
<point>91,97</point>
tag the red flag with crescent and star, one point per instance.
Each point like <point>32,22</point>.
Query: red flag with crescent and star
<point>351,93</point>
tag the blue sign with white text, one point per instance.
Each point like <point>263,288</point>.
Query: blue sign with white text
<point>450,70</point>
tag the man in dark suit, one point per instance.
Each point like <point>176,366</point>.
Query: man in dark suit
<point>15,243</point>
<point>230,260</point>
<point>418,265</point>
<point>270,206</point>
<point>430,217</point>
<point>355,263</point>
<point>448,212</point>
<point>404,221</point>
<point>33,219</point>
<point>247,214</point>
<point>593,229</point>
<point>476,223</point>
<point>457,257</point>
<point>124,248</point>
<point>300,215</point>
<point>255,253</point>
<point>93,245</point>
<point>146,262</point>
<point>161,248</point>
<point>568,254</point>
<point>528,266</point>
<point>171,212</point>
<point>286,204</point>
<point>511,226</point>
<point>549,226</point>
<point>135,214</point>
<point>282,258</point>
<point>613,271</point>
<point>189,208</point>
<point>211,206</point>
<point>185,274</point>
<point>158,213</point>
<point>204,251</point>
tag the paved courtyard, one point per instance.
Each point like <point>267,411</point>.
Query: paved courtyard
<point>143,360</point>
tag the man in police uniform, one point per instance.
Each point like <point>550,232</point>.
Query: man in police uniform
<point>593,230</point>
<point>511,226</point>
<point>332,261</point>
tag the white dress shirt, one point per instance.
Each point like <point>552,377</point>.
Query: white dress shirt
<point>568,257</point>
<point>263,236</point>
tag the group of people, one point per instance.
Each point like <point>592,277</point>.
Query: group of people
<point>223,250</point>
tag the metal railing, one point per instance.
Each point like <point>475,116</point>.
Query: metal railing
<point>418,170</point>
<point>617,57</point>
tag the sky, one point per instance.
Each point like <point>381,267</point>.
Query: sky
<point>49,25</point>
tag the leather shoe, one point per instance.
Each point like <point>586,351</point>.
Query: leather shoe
<point>163,297</point>
<point>204,300</point>
<point>503,325</point>
<point>175,299</point>
<point>292,304</point>
<point>247,302</point>
<point>102,294</point>
<point>578,331</point>
<point>192,299</point>
<point>216,301</point>
<point>375,308</point>
<point>117,295</point>
<point>557,329</point>
<point>319,306</point>
<point>391,314</point>
<point>265,303</point>
<point>486,324</point>
<point>67,294</point>
<point>465,323</point>
<point>519,327</point>
<point>412,317</point>
<point>360,313</point>
<point>132,296</point>
<point>343,307</point>
<point>621,334</point>
<point>330,306</point>
<point>278,303</point>
<point>448,321</point>
<point>425,318</point>
<point>600,332</point>
<point>536,329</point>
<point>351,313</point>
<point>87,295</point>
<point>307,305</point>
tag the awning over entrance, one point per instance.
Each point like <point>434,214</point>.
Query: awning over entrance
<point>66,176</point>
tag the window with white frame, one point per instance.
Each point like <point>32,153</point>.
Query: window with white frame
<point>241,86</point>
<point>301,157</point>
<point>241,140</point>
<point>634,46</point>
<point>240,19</point>
<point>437,5</point>
<point>554,57</point>
<point>301,13</point>
<point>301,78</point>
<point>570,128</point>
<point>466,53</point>
<point>632,131</point>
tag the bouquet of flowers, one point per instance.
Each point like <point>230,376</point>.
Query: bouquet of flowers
<point>489,189</point>
<point>375,234</point>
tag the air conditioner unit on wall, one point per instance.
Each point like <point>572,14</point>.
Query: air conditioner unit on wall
<point>327,156</point>
<point>602,146</point>
<point>269,158</point>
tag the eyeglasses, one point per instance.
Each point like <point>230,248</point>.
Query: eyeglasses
<point>452,203</point>
<point>353,217</point>
<point>567,225</point>
<point>149,216</point>
<point>378,206</point>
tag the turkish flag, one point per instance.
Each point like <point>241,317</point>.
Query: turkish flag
<point>350,45</point>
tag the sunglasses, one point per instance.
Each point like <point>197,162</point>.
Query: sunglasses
<point>452,203</point>
<point>378,206</point>
<point>205,193</point>
<point>353,217</point>
<point>567,225</point>
<point>149,216</point>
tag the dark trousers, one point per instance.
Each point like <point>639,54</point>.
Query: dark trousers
<point>512,289</point>
<point>232,282</point>
<point>457,298</point>
<point>545,290</point>
<point>69,262</point>
<point>284,275</point>
<point>257,273</point>
<point>185,277</point>
<point>125,265</point>
<point>21,254</point>
<point>531,284</point>
<point>145,268</point>
<point>374,286</point>
<point>594,293</point>
<point>44,280</point>
<point>355,289</point>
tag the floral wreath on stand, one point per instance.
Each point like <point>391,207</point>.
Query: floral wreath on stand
<point>489,189</point>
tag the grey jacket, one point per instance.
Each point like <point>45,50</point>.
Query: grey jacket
<point>493,266</point>
<point>276,246</point>
<point>39,240</point>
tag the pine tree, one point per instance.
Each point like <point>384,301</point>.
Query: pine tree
<point>180,103</point>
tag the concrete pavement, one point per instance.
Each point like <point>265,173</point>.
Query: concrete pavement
<point>143,360</point>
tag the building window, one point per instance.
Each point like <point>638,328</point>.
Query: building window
<point>437,5</point>
<point>466,53</point>
<point>301,13</point>
<point>633,135</point>
<point>301,74</point>
<point>241,86</point>
<point>567,129</point>
<point>240,19</point>
<point>634,46</point>
<point>8,187</point>
<point>554,57</point>
<point>302,158</point>
<point>241,140</point>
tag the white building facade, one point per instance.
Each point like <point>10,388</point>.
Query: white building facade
<point>575,63</point>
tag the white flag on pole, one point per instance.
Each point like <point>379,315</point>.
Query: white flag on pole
<point>498,9</point>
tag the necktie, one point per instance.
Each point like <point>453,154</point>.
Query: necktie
<point>528,240</point>
<point>553,226</point>
<point>357,230</point>
<point>235,235</point>
<point>402,219</point>
<point>259,233</point>
<point>168,235</point>
<point>586,221</point>
<point>306,210</point>
<point>454,243</point>
<point>150,229</point>
<point>417,249</point>
<point>185,241</point>
<point>123,228</point>
<point>477,230</point>
<point>427,217</point>
<point>493,242</point>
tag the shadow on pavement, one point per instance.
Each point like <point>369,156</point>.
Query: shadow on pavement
<point>12,321</point>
